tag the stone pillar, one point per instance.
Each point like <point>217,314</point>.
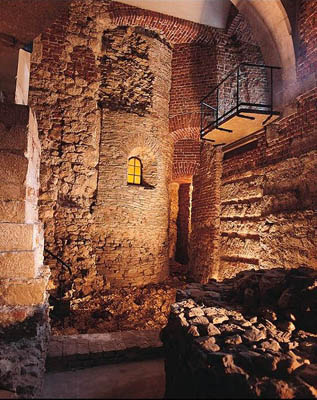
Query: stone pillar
<point>132,220</point>
<point>23,279</point>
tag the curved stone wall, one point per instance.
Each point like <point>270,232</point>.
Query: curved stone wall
<point>131,221</point>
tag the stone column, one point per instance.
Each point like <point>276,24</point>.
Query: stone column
<point>23,279</point>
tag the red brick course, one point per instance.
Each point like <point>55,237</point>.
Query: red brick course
<point>174,29</point>
<point>193,75</point>
<point>186,157</point>
<point>307,32</point>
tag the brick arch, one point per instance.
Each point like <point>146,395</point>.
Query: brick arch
<point>185,126</point>
<point>186,133</point>
<point>139,141</point>
<point>187,31</point>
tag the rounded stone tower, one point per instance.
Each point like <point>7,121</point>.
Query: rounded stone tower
<point>131,212</point>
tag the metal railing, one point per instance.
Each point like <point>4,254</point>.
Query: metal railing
<point>243,91</point>
<point>67,267</point>
<point>60,306</point>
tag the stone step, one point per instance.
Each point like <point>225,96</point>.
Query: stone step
<point>89,350</point>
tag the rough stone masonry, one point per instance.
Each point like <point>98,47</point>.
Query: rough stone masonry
<point>248,337</point>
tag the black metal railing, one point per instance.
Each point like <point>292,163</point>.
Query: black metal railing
<point>60,305</point>
<point>66,266</point>
<point>247,88</point>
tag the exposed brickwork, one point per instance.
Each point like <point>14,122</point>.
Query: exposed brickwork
<point>99,73</point>
<point>82,64</point>
<point>238,27</point>
<point>307,52</point>
<point>136,252</point>
<point>196,68</point>
<point>175,30</point>
<point>204,245</point>
<point>96,74</point>
<point>193,75</point>
<point>186,157</point>
<point>268,196</point>
<point>185,126</point>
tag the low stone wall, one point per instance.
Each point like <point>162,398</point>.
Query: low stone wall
<point>251,337</point>
<point>89,350</point>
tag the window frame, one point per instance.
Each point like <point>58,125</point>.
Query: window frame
<point>134,174</point>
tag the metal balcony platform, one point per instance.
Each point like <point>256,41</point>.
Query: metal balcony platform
<point>238,125</point>
<point>240,105</point>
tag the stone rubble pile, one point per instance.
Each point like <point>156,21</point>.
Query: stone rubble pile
<point>254,336</point>
<point>117,309</point>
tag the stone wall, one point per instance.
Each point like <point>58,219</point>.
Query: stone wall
<point>268,200</point>
<point>268,189</point>
<point>268,214</point>
<point>248,337</point>
<point>23,301</point>
<point>131,233</point>
<point>64,92</point>
<point>108,87</point>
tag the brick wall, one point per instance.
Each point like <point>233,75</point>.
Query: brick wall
<point>186,157</point>
<point>175,30</point>
<point>193,74</point>
<point>204,240</point>
<point>238,26</point>
<point>268,216</point>
<point>196,68</point>
<point>307,35</point>
<point>267,194</point>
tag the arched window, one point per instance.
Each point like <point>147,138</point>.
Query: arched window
<point>134,171</point>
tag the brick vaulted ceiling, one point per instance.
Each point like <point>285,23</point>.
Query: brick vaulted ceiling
<point>207,12</point>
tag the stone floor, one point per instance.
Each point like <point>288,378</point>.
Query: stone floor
<point>130,380</point>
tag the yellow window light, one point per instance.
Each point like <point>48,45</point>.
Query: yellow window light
<point>134,171</point>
